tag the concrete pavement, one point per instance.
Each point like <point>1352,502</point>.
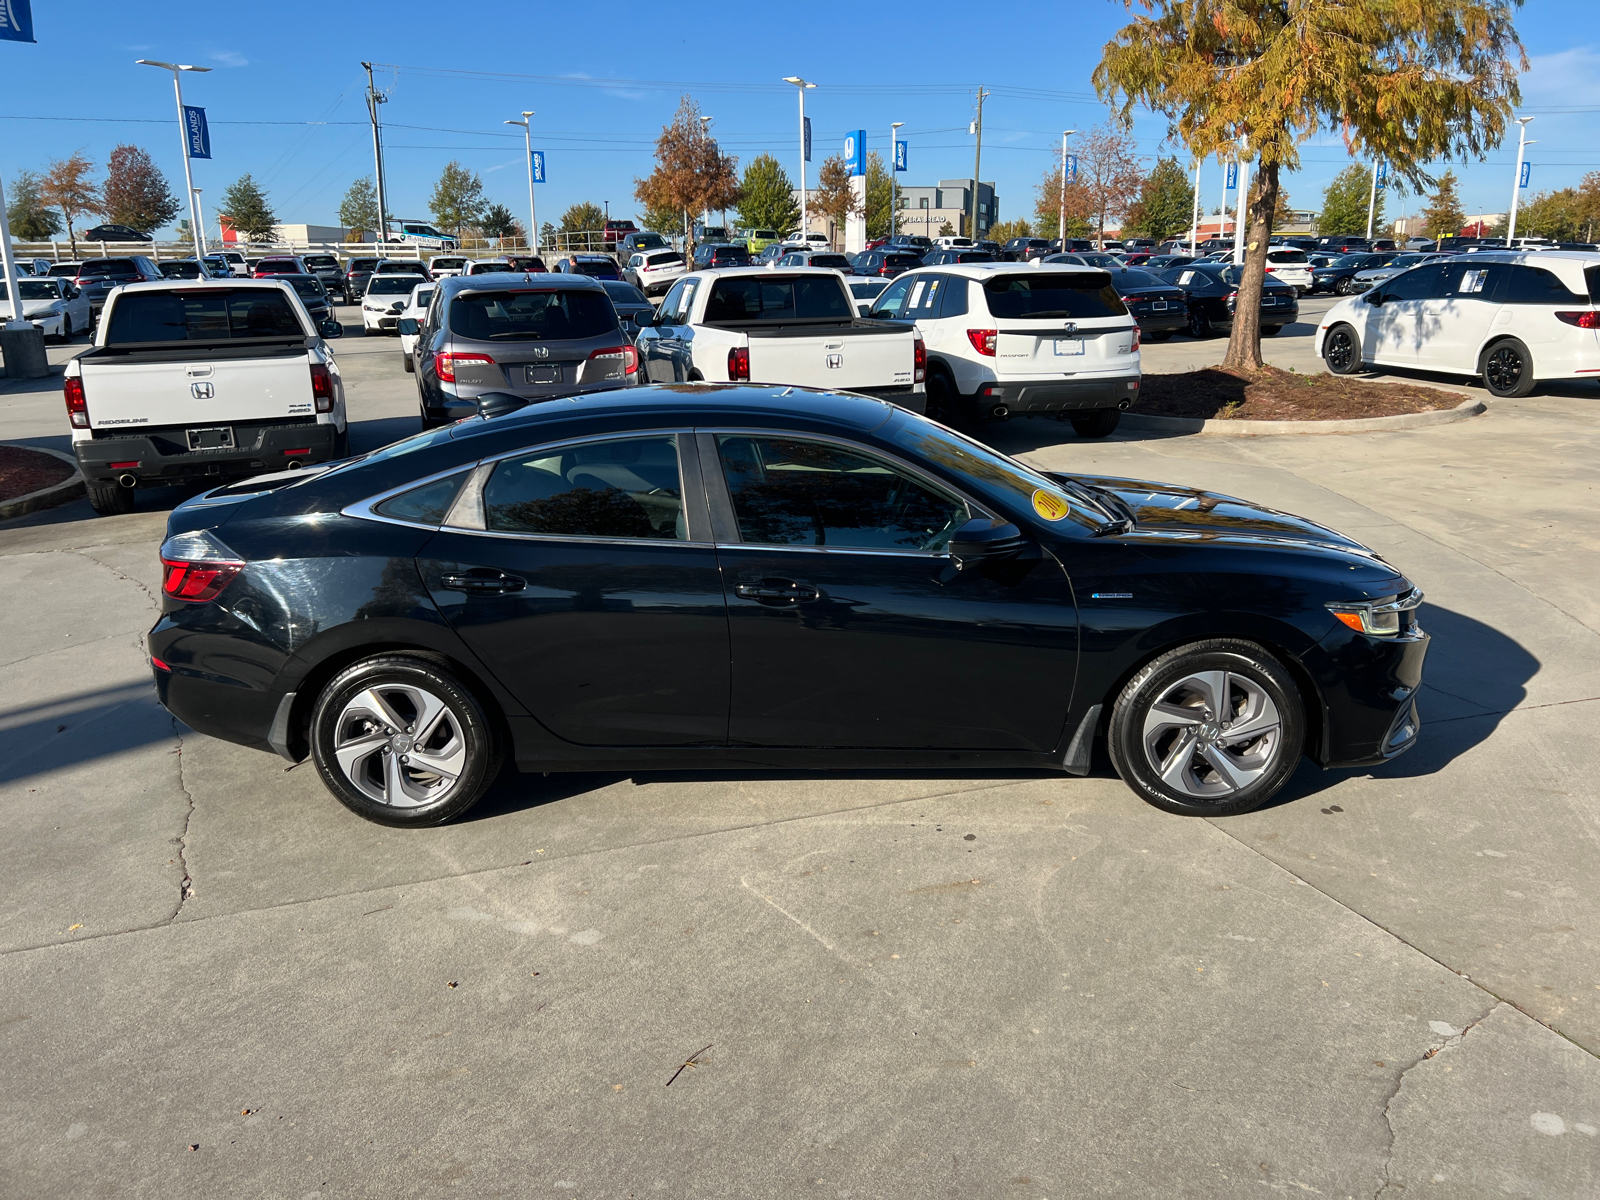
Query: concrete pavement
<point>910,985</point>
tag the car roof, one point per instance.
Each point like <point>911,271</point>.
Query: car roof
<point>496,280</point>
<point>988,270</point>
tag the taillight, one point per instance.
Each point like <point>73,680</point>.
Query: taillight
<point>983,340</point>
<point>77,406</point>
<point>919,360</point>
<point>739,364</point>
<point>196,566</point>
<point>1231,297</point>
<point>886,269</point>
<point>1588,318</point>
<point>1130,299</point>
<point>444,365</point>
<point>1138,335</point>
<point>626,355</point>
<point>322,387</point>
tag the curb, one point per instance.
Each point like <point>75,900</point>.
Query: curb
<point>69,488</point>
<point>1222,428</point>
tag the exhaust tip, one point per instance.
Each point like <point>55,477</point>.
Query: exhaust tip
<point>127,480</point>
<point>999,412</point>
<point>294,465</point>
<point>1124,405</point>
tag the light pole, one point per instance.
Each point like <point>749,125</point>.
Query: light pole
<point>1061,226</point>
<point>200,221</point>
<point>894,166</point>
<point>183,134</point>
<point>1516,180</point>
<point>533,216</point>
<point>705,213</point>
<point>1194,229</point>
<point>1372,199</point>
<point>1240,216</point>
<point>805,223</point>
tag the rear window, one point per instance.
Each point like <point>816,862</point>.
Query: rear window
<point>764,298</point>
<point>534,315</point>
<point>321,260</point>
<point>902,260</point>
<point>1138,279</point>
<point>212,314</point>
<point>625,293</point>
<point>1287,256</point>
<point>834,261</point>
<point>730,254</point>
<point>593,267</point>
<point>400,267</point>
<point>392,285</point>
<point>1080,294</point>
<point>1592,275</point>
<point>108,266</point>
<point>363,264</point>
<point>64,269</point>
<point>449,264</point>
<point>661,260</point>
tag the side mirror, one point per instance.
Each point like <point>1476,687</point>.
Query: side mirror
<point>494,404</point>
<point>408,326</point>
<point>332,329</point>
<point>983,539</point>
<point>1373,297</point>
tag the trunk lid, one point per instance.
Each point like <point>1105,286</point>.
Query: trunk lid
<point>845,358</point>
<point>195,388</point>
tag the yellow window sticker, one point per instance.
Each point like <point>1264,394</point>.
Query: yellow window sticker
<point>1049,506</point>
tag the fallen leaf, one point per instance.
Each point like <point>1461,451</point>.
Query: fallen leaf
<point>79,925</point>
<point>451,984</point>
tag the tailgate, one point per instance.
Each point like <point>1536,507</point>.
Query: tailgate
<point>846,358</point>
<point>1036,348</point>
<point>123,392</point>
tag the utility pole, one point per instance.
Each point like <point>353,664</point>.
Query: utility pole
<point>374,98</point>
<point>977,160</point>
<point>1194,228</point>
<point>1516,181</point>
<point>1061,220</point>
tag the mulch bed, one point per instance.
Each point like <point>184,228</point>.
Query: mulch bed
<point>1273,394</point>
<point>23,471</point>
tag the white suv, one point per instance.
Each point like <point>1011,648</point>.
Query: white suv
<point>1292,266</point>
<point>1020,339</point>
<point>653,271</point>
<point>1511,318</point>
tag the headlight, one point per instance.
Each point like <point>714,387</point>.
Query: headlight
<point>1378,618</point>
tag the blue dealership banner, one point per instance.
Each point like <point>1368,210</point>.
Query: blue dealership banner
<point>1072,167</point>
<point>195,133</point>
<point>1383,173</point>
<point>1233,176</point>
<point>538,166</point>
<point>900,153</point>
<point>1527,171</point>
<point>16,21</point>
<point>855,152</point>
<point>806,152</point>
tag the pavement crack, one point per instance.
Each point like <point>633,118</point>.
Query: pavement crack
<point>186,884</point>
<point>154,599</point>
<point>1446,1043</point>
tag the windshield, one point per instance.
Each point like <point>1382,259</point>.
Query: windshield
<point>306,287</point>
<point>532,315</point>
<point>208,314</point>
<point>1004,481</point>
<point>33,289</point>
<point>775,298</point>
<point>1054,294</point>
<point>1137,279</point>
<point>626,293</point>
<point>648,241</point>
<point>391,285</point>
<point>108,266</point>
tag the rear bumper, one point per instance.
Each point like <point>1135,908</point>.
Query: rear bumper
<point>913,398</point>
<point>1060,395</point>
<point>161,456</point>
<point>1163,322</point>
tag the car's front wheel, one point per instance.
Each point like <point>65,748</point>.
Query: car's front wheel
<point>1213,728</point>
<point>1199,323</point>
<point>1342,288</point>
<point>399,740</point>
<point>1341,350</point>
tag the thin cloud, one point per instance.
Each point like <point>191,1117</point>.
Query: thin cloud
<point>230,58</point>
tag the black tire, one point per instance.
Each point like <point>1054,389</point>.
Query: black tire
<point>405,360</point>
<point>1271,330</point>
<point>1508,369</point>
<point>1341,350</point>
<point>1096,423</point>
<point>110,499</point>
<point>341,443</point>
<point>943,399</point>
<point>1199,323</point>
<point>461,736</point>
<point>1143,743</point>
<point>1160,335</point>
<point>66,327</point>
<point>1342,287</point>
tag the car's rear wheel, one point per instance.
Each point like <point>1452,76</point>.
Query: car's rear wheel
<point>1508,369</point>
<point>1199,323</point>
<point>1213,728</point>
<point>942,398</point>
<point>398,740</point>
<point>109,499</point>
<point>1341,350</point>
<point>1271,330</point>
<point>1097,423</point>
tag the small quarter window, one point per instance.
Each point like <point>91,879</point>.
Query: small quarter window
<point>425,505</point>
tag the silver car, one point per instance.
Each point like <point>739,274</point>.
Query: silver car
<point>1373,276</point>
<point>537,337</point>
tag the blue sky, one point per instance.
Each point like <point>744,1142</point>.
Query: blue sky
<point>284,97</point>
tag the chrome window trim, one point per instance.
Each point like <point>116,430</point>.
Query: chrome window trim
<point>362,510</point>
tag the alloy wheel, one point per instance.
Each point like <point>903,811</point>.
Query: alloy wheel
<point>1212,734</point>
<point>1503,369</point>
<point>400,745</point>
<point>1339,351</point>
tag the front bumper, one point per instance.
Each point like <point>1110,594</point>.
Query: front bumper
<point>1371,696</point>
<point>160,457</point>
<point>1060,395</point>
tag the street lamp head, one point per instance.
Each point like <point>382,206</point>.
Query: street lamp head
<point>797,81</point>
<point>526,115</point>
<point>896,124</point>
<point>1523,121</point>
<point>515,122</point>
<point>166,66</point>
<point>1068,132</point>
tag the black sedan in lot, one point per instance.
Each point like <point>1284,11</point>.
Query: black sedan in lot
<point>1337,274</point>
<point>1211,291</point>
<point>886,262</point>
<point>1161,308</point>
<point>743,578</point>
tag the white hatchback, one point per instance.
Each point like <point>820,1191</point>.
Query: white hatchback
<point>1513,319</point>
<point>416,307</point>
<point>1021,339</point>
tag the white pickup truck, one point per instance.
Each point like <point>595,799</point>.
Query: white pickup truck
<point>201,382</point>
<point>794,325</point>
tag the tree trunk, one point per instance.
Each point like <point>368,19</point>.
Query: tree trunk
<point>1244,341</point>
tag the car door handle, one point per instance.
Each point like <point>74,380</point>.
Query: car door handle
<point>483,582</point>
<point>776,592</point>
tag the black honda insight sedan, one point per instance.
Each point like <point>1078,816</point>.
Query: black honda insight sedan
<point>746,577</point>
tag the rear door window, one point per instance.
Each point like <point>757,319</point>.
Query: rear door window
<point>534,315</point>
<point>210,315</point>
<point>627,488</point>
<point>924,299</point>
<point>763,298</point>
<point>1079,295</point>
<point>1535,285</point>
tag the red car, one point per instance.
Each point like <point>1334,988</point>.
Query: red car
<point>617,230</point>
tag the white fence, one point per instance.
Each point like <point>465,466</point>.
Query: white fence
<point>582,242</point>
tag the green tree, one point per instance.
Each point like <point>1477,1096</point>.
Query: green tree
<point>1410,81</point>
<point>135,192</point>
<point>582,218</point>
<point>691,174</point>
<point>879,188</point>
<point>1165,206</point>
<point>457,199</point>
<point>1004,231</point>
<point>498,222</point>
<point>69,187</point>
<point>1556,215</point>
<point>1443,216</point>
<point>1344,203</point>
<point>667,221</point>
<point>766,197</point>
<point>359,208</point>
<point>246,207</point>
<point>32,220</point>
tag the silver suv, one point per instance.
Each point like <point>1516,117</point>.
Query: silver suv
<point>537,337</point>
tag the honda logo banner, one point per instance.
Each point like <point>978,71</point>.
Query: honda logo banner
<point>808,140</point>
<point>1527,172</point>
<point>538,166</point>
<point>1072,167</point>
<point>900,154</point>
<point>16,21</point>
<point>855,152</point>
<point>195,132</point>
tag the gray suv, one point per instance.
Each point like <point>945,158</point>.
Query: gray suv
<point>537,337</point>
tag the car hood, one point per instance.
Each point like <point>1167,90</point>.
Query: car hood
<point>30,307</point>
